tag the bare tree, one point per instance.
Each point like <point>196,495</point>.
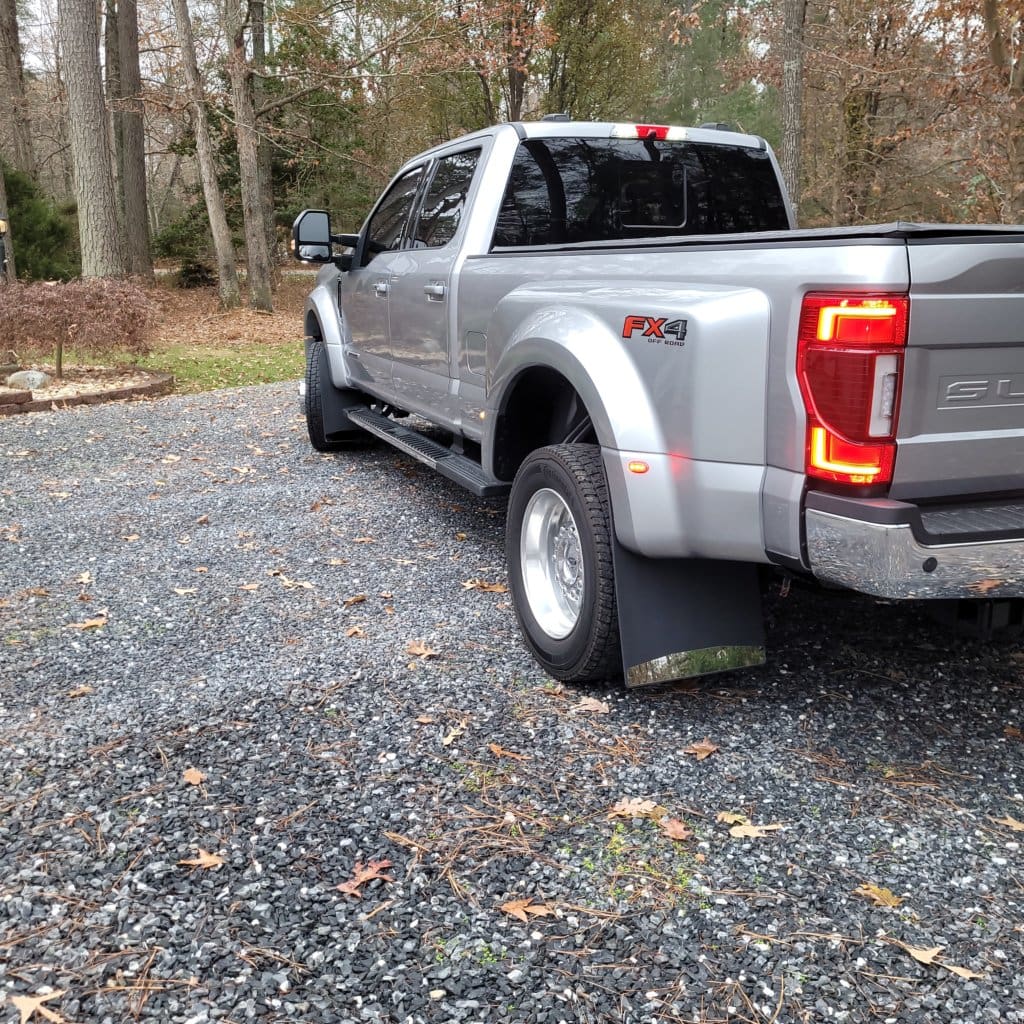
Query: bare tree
<point>1009,69</point>
<point>133,153</point>
<point>794,13</point>
<point>229,295</point>
<point>258,258</point>
<point>257,18</point>
<point>13,107</point>
<point>102,250</point>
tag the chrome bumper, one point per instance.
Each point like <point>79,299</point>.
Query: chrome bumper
<point>888,560</point>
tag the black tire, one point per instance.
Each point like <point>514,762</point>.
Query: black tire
<point>317,382</point>
<point>590,651</point>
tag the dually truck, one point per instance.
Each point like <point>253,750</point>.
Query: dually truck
<point>621,327</point>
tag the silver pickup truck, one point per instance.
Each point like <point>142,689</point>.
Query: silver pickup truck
<point>620,326</point>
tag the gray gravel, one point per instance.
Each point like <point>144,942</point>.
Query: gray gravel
<point>877,741</point>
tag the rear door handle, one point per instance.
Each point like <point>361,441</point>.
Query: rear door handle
<point>435,291</point>
<point>381,289</point>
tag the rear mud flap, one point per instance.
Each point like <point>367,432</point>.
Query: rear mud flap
<point>685,617</point>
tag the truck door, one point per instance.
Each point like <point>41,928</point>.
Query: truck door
<point>367,288</point>
<point>422,284</point>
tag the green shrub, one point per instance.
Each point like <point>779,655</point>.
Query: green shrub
<point>44,236</point>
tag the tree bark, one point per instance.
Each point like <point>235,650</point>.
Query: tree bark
<point>1010,78</point>
<point>259,60</point>
<point>225,251</point>
<point>257,256</point>
<point>5,236</point>
<point>794,13</point>
<point>13,103</point>
<point>112,69</point>
<point>102,251</point>
<point>133,164</point>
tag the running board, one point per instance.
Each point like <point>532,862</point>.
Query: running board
<point>462,470</point>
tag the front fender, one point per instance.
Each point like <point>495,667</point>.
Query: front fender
<point>322,319</point>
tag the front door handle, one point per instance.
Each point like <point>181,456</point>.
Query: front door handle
<point>435,291</point>
<point>381,289</point>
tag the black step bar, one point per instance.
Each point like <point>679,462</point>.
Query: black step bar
<point>462,470</point>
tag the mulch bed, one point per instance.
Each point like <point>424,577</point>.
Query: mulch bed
<point>87,385</point>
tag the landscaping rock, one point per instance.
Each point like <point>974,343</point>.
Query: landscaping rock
<point>14,396</point>
<point>31,379</point>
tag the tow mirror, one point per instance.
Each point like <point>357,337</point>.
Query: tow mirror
<point>311,237</point>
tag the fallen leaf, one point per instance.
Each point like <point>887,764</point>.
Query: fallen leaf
<point>490,588</point>
<point>337,561</point>
<point>295,584</point>
<point>80,691</point>
<point>248,586</point>
<point>201,568</point>
<point>752,831</point>
<point>448,740</point>
<point>386,595</point>
<point>591,704</point>
<point>28,1005</point>
<point>499,751</point>
<point>635,807</point>
<point>701,750</point>
<point>732,818</point>
<point>84,578</point>
<point>960,972</point>
<point>171,458</point>
<point>363,873</point>
<point>388,610</point>
<point>202,520</point>
<point>355,631</point>
<point>1011,823</point>
<point>426,719</point>
<point>131,538</point>
<point>97,622</point>
<point>460,536</point>
<point>184,591</point>
<point>363,540</point>
<point>879,896</point>
<point>675,829</point>
<point>355,599</point>
<point>522,910</point>
<point>420,649</point>
<point>193,776</point>
<point>205,860</point>
<point>35,592</point>
<point>1013,733</point>
<point>984,586</point>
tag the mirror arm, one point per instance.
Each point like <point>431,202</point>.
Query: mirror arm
<point>348,240</point>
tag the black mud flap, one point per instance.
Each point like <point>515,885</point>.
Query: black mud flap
<point>684,617</point>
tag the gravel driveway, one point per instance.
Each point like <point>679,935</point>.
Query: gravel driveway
<point>217,646</point>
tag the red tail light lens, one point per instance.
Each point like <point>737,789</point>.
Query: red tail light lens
<point>850,363</point>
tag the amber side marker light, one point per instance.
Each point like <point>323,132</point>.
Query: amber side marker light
<point>638,467</point>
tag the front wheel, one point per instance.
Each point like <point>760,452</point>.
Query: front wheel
<point>319,390</point>
<point>559,547</point>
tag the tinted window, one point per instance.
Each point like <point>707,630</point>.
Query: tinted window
<point>584,190</point>
<point>384,232</point>
<point>445,199</point>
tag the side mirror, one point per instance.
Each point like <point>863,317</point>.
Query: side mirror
<point>311,236</point>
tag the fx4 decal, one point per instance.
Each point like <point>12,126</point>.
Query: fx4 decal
<point>655,328</point>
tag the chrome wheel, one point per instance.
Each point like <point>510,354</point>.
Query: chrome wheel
<point>552,563</point>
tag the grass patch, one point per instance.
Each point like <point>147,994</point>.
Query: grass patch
<point>201,368</point>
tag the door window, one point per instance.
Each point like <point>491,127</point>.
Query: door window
<point>445,199</point>
<point>385,230</point>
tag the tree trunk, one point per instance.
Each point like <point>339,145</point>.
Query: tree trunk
<point>1010,78</point>
<point>112,67</point>
<point>5,236</point>
<point>257,257</point>
<point>225,251</point>
<point>13,105</point>
<point>794,12</point>
<point>259,61</point>
<point>102,250</point>
<point>133,165</point>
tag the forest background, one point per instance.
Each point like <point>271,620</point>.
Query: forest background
<point>193,131</point>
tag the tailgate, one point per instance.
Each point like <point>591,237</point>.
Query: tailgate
<point>961,421</point>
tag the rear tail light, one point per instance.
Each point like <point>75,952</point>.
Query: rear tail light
<point>849,363</point>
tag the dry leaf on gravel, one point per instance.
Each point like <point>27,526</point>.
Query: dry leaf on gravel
<point>591,705</point>
<point>28,1005</point>
<point>193,776</point>
<point>80,691</point>
<point>1013,733</point>
<point>675,829</point>
<point>97,622</point>
<point>500,751</point>
<point>84,578</point>
<point>354,599</point>
<point>452,736</point>
<point>490,588</point>
<point>929,955</point>
<point>753,831</point>
<point>1011,823</point>
<point>426,719</point>
<point>249,586</point>
<point>732,818</point>
<point>295,584</point>
<point>420,650</point>
<point>701,750</point>
<point>879,896</point>
<point>205,860</point>
<point>523,910</point>
<point>363,540</point>
<point>184,591</point>
<point>355,631</point>
<point>363,873</point>
<point>635,807</point>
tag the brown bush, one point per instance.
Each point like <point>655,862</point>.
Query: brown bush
<point>97,317</point>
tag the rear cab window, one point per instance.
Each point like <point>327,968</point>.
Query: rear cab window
<point>565,190</point>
